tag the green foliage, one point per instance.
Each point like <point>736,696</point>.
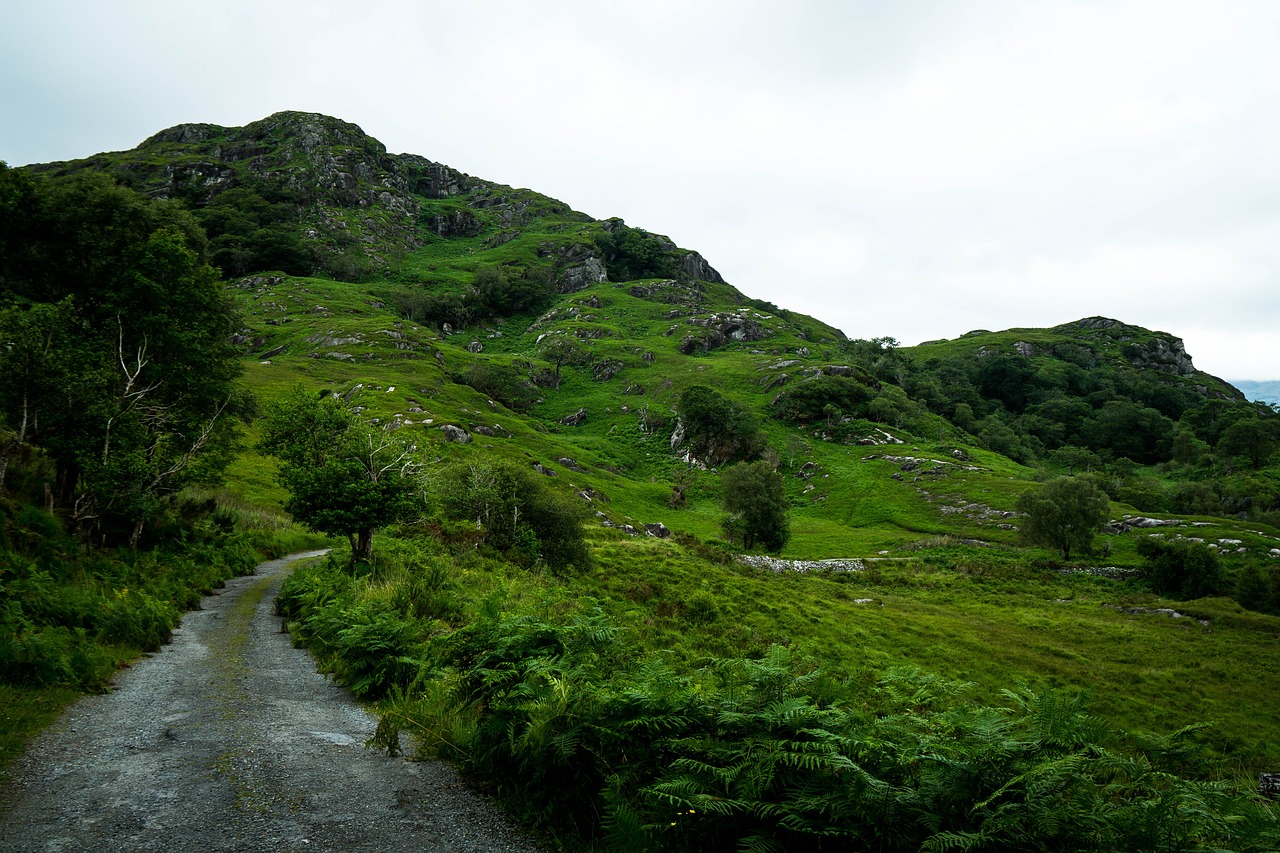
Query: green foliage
<point>717,429</point>
<point>370,644</point>
<point>1180,568</point>
<point>121,373</point>
<point>502,383</point>
<point>1254,439</point>
<point>585,739</point>
<point>1063,514</point>
<point>435,309</point>
<point>503,292</point>
<point>249,233</point>
<point>632,253</point>
<point>756,503</point>
<point>809,402</point>
<point>517,513</point>
<point>1255,588</point>
<point>344,475</point>
<point>561,352</point>
<point>68,615</point>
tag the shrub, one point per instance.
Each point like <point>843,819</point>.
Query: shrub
<point>1179,568</point>
<point>133,618</point>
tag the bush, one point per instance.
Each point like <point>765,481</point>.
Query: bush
<point>1181,569</point>
<point>518,513</point>
<point>133,618</point>
<point>718,430</point>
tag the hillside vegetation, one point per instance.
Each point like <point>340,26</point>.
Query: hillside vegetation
<point>559,598</point>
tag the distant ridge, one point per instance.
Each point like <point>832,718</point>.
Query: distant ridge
<point>1268,390</point>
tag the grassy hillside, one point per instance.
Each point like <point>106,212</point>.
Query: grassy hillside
<point>489,324</point>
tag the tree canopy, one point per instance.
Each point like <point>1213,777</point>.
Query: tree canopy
<point>1064,514</point>
<point>716,428</point>
<point>345,476</point>
<point>756,504</point>
<point>116,355</point>
<point>518,513</point>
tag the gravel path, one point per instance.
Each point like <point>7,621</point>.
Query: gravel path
<point>228,739</point>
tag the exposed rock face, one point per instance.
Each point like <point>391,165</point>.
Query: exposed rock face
<point>463,223</point>
<point>1092,323</point>
<point>1269,785</point>
<point>720,328</point>
<point>351,192</point>
<point>576,419</point>
<point>456,433</point>
<point>583,275</point>
<point>1165,353</point>
<point>606,370</point>
<point>580,265</point>
<point>694,266</point>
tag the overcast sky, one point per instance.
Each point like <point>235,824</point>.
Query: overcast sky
<point>904,169</point>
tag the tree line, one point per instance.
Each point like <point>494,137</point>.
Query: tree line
<point>119,375</point>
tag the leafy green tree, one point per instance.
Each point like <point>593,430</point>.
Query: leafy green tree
<point>506,291</point>
<point>1075,459</point>
<point>116,355</point>
<point>1011,379</point>
<point>1130,429</point>
<point>1186,448</point>
<point>1253,588</point>
<point>809,402</point>
<point>502,382</point>
<point>564,351</point>
<point>717,429</point>
<point>345,476</point>
<point>1064,514</point>
<point>754,498</point>
<point>1254,439</point>
<point>632,253</point>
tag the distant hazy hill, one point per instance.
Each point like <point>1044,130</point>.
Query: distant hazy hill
<point>1267,391</point>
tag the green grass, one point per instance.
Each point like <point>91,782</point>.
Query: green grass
<point>25,712</point>
<point>984,618</point>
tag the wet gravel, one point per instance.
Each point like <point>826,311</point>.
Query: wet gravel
<point>228,739</point>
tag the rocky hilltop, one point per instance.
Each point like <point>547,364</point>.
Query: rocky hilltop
<point>354,207</point>
<point>1090,343</point>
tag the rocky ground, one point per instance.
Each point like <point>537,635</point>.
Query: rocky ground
<point>228,739</point>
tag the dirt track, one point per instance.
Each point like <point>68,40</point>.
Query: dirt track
<point>228,739</point>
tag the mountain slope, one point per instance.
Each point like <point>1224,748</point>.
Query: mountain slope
<point>485,322</point>
<point>543,335</point>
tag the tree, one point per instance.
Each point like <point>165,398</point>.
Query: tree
<point>717,429</point>
<point>115,348</point>
<point>1178,567</point>
<point>562,351</point>
<point>345,476</point>
<point>1130,429</point>
<point>1064,513</point>
<point>1075,459</point>
<point>756,505</point>
<point>1255,439</point>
